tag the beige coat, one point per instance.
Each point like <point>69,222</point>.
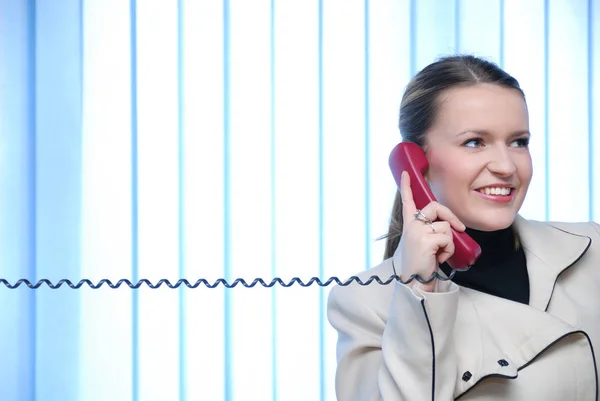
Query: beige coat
<point>397,343</point>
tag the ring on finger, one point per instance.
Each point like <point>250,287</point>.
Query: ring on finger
<point>432,227</point>
<point>419,215</point>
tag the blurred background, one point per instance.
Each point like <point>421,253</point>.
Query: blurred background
<point>236,138</point>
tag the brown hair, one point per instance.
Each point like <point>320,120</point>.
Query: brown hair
<point>419,107</point>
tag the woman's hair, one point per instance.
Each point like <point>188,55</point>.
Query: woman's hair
<point>419,108</point>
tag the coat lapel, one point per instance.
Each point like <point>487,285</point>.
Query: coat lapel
<point>495,336</point>
<point>549,251</point>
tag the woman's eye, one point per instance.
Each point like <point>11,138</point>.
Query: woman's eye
<point>472,143</point>
<point>520,143</point>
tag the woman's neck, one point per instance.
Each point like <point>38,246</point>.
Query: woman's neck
<point>495,245</point>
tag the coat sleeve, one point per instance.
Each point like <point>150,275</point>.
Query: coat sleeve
<point>408,357</point>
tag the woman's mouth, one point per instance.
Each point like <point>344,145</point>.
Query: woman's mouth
<point>497,194</point>
<point>498,191</point>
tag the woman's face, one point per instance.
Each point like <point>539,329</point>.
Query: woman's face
<point>479,160</point>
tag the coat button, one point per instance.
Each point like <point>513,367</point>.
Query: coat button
<point>467,376</point>
<point>502,362</point>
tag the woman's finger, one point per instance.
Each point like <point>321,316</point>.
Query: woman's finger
<point>440,227</point>
<point>408,203</point>
<point>436,211</point>
<point>443,244</point>
<point>446,252</point>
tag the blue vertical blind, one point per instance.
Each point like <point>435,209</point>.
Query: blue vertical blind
<point>236,139</point>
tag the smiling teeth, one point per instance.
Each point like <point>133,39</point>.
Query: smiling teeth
<point>495,191</point>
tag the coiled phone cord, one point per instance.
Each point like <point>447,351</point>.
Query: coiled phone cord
<point>222,281</point>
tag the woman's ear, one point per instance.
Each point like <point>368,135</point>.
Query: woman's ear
<point>426,176</point>
<point>428,173</point>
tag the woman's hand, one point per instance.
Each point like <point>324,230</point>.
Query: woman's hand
<point>424,246</point>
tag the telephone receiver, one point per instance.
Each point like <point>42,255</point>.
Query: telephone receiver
<point>410,157</point>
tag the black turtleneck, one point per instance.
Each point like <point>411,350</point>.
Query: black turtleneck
<point>501,270</point>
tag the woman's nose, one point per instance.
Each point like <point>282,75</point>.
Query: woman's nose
<point>502,163</point>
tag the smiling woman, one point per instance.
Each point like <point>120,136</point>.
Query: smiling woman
<point>513,315</point>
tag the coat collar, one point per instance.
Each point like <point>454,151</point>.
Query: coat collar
<point>549,251</point>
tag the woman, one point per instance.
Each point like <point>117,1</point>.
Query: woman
<point>522,323</point>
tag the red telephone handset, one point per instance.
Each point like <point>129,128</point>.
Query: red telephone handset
<point>410,157</point>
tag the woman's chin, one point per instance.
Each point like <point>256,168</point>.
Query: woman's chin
<point>490,224</point>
